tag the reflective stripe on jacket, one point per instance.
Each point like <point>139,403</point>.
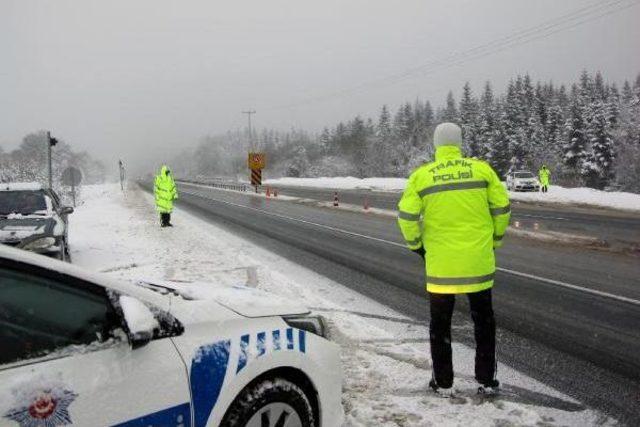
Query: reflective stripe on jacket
<point>165,191</point>
<point>459,210</point>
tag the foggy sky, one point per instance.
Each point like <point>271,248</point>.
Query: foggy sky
<point>139,79</point>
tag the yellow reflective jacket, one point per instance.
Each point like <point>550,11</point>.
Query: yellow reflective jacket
<point>459,210</point>
<point>544,174</point>
<point>165,191</point>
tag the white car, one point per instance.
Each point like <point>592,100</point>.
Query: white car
<point>33,218</point>
<point>77,348</point>
<point>522,181</point>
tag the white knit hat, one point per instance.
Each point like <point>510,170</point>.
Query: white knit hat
<point>447,134</point>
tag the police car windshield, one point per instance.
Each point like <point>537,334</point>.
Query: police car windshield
<point>523,175</point>
<point>22,202</point>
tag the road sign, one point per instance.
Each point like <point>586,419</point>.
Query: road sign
<point>256,176</point>
<point>71,176</point>
<point>257,161</point>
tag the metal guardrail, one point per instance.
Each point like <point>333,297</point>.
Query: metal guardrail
<point>217,184</point>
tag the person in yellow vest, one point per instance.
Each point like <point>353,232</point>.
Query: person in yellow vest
<point>454,213</point>
<point>165,193</point>
<point>544,175</point>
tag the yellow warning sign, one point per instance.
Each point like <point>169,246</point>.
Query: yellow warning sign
<point>257,161</point>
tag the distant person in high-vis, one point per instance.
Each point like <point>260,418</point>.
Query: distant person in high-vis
<point>454,213</point>
<point>544,175</point>
<point>165,192</point>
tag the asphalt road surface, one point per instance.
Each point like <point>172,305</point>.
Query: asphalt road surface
<point>567,317</point>
<point>618,229</point>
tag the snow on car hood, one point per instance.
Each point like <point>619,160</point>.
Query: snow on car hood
<point>246,301</point>
<point>17,227</point>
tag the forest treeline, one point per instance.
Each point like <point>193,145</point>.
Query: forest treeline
<point>28,162</point>
<point>587,133</point>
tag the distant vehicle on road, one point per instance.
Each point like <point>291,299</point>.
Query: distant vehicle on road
<point>80,349</point>
<point>33,218</point>
<point>522,181</point>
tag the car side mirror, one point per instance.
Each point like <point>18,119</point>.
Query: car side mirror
<point>66,210</point>
<point>140,321</point>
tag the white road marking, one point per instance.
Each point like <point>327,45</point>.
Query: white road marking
<point>539,216</point>
<point>570,286</point>
<point>363,236</point>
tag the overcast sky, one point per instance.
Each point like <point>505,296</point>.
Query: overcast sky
<point>129,78</point>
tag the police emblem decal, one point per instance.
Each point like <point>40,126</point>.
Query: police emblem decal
<point>49,408</point>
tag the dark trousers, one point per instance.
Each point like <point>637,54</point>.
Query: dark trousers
<point>165,219</point>
<point>544,188</point>
<point>440,336</point>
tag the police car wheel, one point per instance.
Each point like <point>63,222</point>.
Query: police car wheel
<point>271,403</point>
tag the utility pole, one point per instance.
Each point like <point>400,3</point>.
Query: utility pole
<point>50,143</point>
<point>249,113</point>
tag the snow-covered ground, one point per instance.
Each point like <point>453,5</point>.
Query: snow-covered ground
<point>556,194</point>
<point>385,355</point>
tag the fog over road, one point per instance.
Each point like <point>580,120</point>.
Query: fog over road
<point>557,324</point>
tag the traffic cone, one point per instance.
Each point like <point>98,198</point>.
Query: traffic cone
<point>335,199</point>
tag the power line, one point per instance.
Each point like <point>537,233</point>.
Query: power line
<point>546,29</point>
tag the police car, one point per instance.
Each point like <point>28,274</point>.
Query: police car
<point>79,349</point>
<point>522,181</point>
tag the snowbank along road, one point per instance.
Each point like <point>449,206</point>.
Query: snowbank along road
<point>568,317</point>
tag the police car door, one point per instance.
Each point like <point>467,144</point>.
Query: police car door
<point>64,361</point>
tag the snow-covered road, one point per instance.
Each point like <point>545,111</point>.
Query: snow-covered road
<point>385,354</point>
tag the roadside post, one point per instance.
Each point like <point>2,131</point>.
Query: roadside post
<point>256,162</point>
<point>121,168</point>
<point>72,177</point>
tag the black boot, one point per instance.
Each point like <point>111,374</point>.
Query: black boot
<point>442,392</point>
<point>491,388</point>
<point>164,219</point>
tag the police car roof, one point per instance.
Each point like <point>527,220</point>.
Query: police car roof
<point>20,186</point>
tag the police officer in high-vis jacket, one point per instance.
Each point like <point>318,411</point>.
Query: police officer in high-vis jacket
<point>165,193</point>
<point>454,212</point>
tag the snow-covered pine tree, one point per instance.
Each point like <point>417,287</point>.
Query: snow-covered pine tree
<point>384,123</point>
<point>599,87</point>
<point>486,123</point>
<point>427,116</point>
<point>500,155</point>
<point>574,148</point>
<point>612,104</point>
<point>597,166</point>
<point>536,143</point>
<point>515,123</point>
<point>450,112</point>
<point>325,140</point>
<point>468,113</point>
<point>562,98</point>
<point>627,93</point>
<point>554,134</point>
